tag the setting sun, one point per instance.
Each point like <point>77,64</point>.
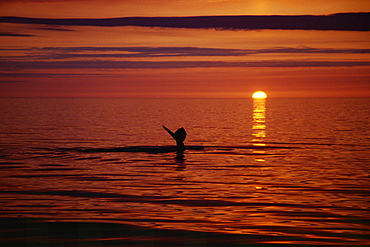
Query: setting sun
<point>259,95</point>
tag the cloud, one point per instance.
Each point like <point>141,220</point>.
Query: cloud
<point>15,34</point>
<point>340,21</point>
<point>38,75</point>
<point>306,50</point>
<point>52,28</point>
<point>10,81</point>
<point>115,58</point>
<point>149,52</point>
<point>96,64</point>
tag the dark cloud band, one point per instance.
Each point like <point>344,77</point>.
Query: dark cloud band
<point>150,52</point>
<point>339,22</point>
<point>42,65</point>
<point>15,34</point>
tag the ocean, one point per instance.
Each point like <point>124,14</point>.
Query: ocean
<point>103,172</point>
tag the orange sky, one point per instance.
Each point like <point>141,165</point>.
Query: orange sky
<point>88,61</point>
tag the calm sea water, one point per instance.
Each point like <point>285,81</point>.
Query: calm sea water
<point>96,172</point>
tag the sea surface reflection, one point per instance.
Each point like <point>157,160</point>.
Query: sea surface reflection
<point>95,172</point>
<point>259,116</point>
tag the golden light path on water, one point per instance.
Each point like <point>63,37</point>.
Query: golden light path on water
<point>259,126</point>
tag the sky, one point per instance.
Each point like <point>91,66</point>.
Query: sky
<point>184,49</point>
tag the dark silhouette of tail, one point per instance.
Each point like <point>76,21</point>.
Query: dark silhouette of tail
<point>179,137</point>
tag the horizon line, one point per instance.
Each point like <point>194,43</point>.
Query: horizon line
<point>108,97</point>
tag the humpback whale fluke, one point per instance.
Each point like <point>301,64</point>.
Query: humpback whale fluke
<point>179,136</point>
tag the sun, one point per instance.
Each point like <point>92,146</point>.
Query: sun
<point>259,95</point>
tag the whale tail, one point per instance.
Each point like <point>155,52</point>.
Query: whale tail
<point>179,135</point>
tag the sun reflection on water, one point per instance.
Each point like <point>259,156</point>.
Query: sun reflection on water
<point>259,117</point>
<point>259,126</point>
